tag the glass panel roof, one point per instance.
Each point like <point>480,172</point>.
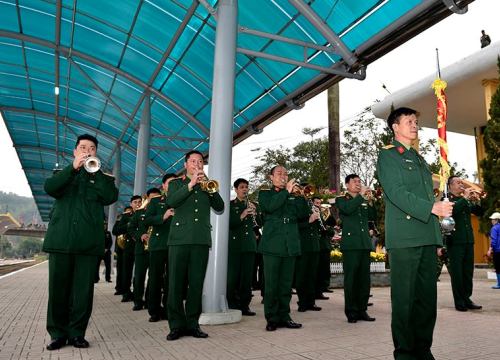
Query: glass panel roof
<point>106,55</point>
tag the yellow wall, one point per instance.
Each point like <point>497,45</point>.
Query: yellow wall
<point>481,242</point>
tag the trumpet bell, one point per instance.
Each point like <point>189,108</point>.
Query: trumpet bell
<point>210,186</point>
<point>92,164</point>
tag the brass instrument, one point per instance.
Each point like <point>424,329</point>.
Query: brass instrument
<point>120,241</point>
<point>210,186</point>
<point>92,164</point>
<point>325,211</point>
<point>148,233</point>
<point>306,191</point>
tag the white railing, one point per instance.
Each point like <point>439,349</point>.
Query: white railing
<point>337,268</point>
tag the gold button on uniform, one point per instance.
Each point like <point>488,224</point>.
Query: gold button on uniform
<point>195,219</point>
<point>195,210</point>
<point>408,217</point>
<point>176,224</point>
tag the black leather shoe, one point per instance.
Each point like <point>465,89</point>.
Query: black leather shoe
<point>56,344</point>
<point>174,335</point>
<point>247,312</point>
<point>369,304</point>
<point>198,333</point>
<point>473,306</point>
<point>79,342</point>
<point>322,297</point>
<point>118,292</point>
<point>365,317</point>
<point>314,308</point>
<point>127,298</point>
<point>460,308</point>
<point>302,309</point>
<point>271,326</point>
<point>137,307</point>
<point>108,280</point>
<point>290,324</point>
<point>351,320</point>
<point>328,291</point>
<point>154,318</point>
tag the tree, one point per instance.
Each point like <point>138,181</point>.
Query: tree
<point>491,164</point>
<point>5,247</point>
<point>29,247</point>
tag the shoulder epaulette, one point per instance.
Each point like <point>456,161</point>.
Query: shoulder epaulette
<point>390,146</point>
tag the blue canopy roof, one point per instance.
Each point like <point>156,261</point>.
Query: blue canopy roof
<point>106,57</point>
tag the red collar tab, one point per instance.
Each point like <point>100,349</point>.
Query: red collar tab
<point>400,149</point>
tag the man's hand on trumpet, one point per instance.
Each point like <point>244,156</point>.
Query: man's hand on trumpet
<point>197,177</point>
<point>290,185</point>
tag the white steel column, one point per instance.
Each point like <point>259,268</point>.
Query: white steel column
<point>220,154</point>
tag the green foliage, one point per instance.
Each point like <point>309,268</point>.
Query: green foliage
<point>29,247</point>
<point>491,164</point>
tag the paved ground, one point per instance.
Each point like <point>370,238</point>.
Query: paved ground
<point>115,332</point>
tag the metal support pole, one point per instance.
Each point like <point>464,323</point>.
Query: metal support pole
<point>117,169</point>
<point>142,157</point>
<point>220,154</point>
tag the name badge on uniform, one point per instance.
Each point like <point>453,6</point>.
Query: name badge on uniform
<point>364,204</point>
<point>92,181</point>
<point>291,198</point>
<point>408,160</point>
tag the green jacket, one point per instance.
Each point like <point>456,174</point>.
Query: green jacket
<point>121,227</point>
<point>355,214</point>
<point>282,212</point>
<point>161,228</point>
<point>463,233</point>
<point>136,228</point>
<point>241,233</point>
<point>77,218</point>
<point>310,233</point>
<point>407,183</point>
<point>191,222</point>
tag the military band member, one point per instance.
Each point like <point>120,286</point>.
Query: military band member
<point>119,251</point>
<point>460,244</point>
<point>122,228</point>
<point>108,243</point>
<point>74,242</point>
<point>159,215</point>
<point>325,247</point>
<point>355,212</point>
<point>189,241</point>
<point>306,266</point>
<point>412,237</point>
<point>241,249</point>
<point>137,230</point>
<point>280,245</point>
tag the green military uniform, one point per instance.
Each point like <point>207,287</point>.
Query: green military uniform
<point>188,243</point>
<point>325,247</point>
<point>158,256</point>
<point>412,236</point>
<point>75,242</point>
<point>460,246</point>
<point>306,267</point>
<point>241,256</point>
<point>127,268</point>
<point>136,228</point>
<point>355,212</point>
<point>119,258</point>
<point>280,245</point>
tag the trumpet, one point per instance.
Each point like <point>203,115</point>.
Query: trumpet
<point>306,191</point>
<point>251,207</point>
<point>92,164</point>
<point>210,186</point>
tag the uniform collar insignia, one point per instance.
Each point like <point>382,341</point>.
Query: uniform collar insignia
<point>400,149</point>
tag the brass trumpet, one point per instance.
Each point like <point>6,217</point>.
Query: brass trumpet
<point>306,191</point>
<point>210,186</point>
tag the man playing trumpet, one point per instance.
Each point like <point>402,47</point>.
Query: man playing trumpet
<point>188,243</point>
<point>241,249</point>
<point>460,243</point>
<point>280,245</point>
<point>356,209</point>
<point>75,242</point>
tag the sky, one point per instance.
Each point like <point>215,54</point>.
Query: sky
<point>456,37</point>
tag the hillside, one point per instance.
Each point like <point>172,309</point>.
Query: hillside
<point>21,207</point>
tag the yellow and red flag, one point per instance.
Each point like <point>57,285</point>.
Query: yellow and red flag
<point>442,113</point>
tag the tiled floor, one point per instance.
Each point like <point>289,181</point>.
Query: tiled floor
<point>116,332</point>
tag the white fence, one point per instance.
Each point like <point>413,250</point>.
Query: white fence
<point>336,267</point>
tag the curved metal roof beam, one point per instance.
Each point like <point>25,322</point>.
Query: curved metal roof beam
<point>68,52</point>
<point>76,122</point>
